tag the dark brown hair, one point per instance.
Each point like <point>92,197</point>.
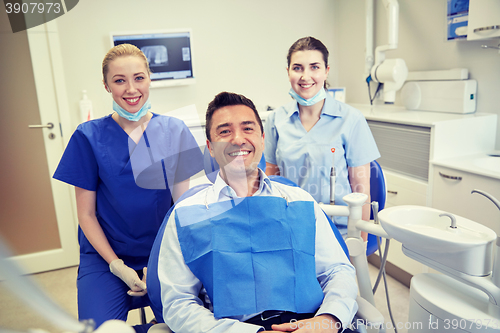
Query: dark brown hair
<point>227,99</point>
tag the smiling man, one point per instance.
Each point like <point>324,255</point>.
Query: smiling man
<point>263,251</point>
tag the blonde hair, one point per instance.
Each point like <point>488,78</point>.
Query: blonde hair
<point>122,50</point>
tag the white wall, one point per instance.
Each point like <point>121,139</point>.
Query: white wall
<point>239,45</point>
<point>422,44</point>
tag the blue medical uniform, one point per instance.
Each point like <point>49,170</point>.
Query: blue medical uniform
<point>132,182</point>
<point>306,157</point>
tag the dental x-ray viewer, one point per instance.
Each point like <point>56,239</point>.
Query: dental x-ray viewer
<point>264,251</point>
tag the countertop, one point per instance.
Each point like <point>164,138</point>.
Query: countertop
<point>400,115</point>
<point>385,113</point>
<point>479,164</point>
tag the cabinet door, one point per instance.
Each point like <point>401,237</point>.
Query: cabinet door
<point>484,19</point>
<point>451,192</point>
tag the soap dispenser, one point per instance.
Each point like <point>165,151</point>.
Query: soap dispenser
<point>86,108</point>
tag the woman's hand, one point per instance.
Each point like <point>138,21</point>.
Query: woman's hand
<point>130,277</point>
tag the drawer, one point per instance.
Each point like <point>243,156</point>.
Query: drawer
<point>404,190</point>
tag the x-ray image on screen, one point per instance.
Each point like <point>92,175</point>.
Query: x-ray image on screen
<point>169,54</point>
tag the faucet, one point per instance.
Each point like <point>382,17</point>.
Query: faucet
<point>495,274</point>
<point>453,220</point>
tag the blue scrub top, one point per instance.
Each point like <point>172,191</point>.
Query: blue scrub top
<point>306,157</point>
<point>131,181</point>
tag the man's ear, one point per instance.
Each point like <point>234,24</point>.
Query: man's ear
<point>210,148</point>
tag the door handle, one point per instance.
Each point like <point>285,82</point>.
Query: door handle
<point>49,126</point>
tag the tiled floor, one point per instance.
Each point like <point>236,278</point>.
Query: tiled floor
<point>60,285</point>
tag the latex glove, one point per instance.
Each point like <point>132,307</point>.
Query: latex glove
<point>130,277</point>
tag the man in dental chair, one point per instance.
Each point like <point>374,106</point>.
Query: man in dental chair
<point>264,251</point>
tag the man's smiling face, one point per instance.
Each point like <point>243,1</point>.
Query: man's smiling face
<point>237,141</point>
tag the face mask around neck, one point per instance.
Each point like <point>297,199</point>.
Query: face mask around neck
<point>321,95</point>
<point>132,116</point>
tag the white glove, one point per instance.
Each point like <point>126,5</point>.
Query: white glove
<point>130,277</point>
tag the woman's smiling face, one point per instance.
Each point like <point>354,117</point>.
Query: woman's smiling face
<point>128,81</point>
<point>307,72</point>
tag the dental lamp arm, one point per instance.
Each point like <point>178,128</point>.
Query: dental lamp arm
<point>391,72</point>
<point>392,8</point>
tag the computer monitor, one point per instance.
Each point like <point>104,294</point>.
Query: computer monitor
<point>169,53</point>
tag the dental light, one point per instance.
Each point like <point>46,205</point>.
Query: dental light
<point>392,73</point>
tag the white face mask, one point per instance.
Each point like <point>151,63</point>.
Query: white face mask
<point>321,95</point>
<point>132,116</point>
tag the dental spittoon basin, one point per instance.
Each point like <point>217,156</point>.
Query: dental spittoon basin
<point>469,253</point>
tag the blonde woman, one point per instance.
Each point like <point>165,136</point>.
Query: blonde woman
<point>127,168</point>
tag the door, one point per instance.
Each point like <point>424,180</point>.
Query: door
<point>37,219</point>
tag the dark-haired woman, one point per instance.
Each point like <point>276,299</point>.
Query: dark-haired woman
<point>314,132</point>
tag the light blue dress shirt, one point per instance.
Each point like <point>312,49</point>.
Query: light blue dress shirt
<point>306,158</point>
<point>183,310</point>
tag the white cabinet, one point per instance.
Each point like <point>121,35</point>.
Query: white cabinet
<point>451,192</point>
<point>484,19</point>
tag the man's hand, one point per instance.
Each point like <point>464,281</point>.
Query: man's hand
<point>320,324</point>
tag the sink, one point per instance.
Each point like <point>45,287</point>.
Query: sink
<point>490,163</point>
<point>428,238</point>
<point>421,226</point>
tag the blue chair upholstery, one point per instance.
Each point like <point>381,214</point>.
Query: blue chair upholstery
<point>378,193</point>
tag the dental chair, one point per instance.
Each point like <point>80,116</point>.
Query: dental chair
<point>367,314</point>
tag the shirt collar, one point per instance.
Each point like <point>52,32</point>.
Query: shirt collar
<point>224,191</point>
<point>331,107</point>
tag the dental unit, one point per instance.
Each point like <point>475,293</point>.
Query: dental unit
<point>465,251</point>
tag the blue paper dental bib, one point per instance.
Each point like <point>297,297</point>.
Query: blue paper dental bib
<point>252,254</point>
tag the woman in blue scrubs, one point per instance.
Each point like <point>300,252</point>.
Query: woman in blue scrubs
<point>314,132</point>
<point>127,168</point>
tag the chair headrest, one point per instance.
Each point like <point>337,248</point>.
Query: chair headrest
<point>212,167</point>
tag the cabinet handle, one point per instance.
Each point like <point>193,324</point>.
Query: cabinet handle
<point>392,192</point>
<point>491,27</point>
<point>450,177</point>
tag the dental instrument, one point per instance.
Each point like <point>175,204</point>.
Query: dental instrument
<point>332,179</point>
<point>32,295</point>
<point>27,290</point>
